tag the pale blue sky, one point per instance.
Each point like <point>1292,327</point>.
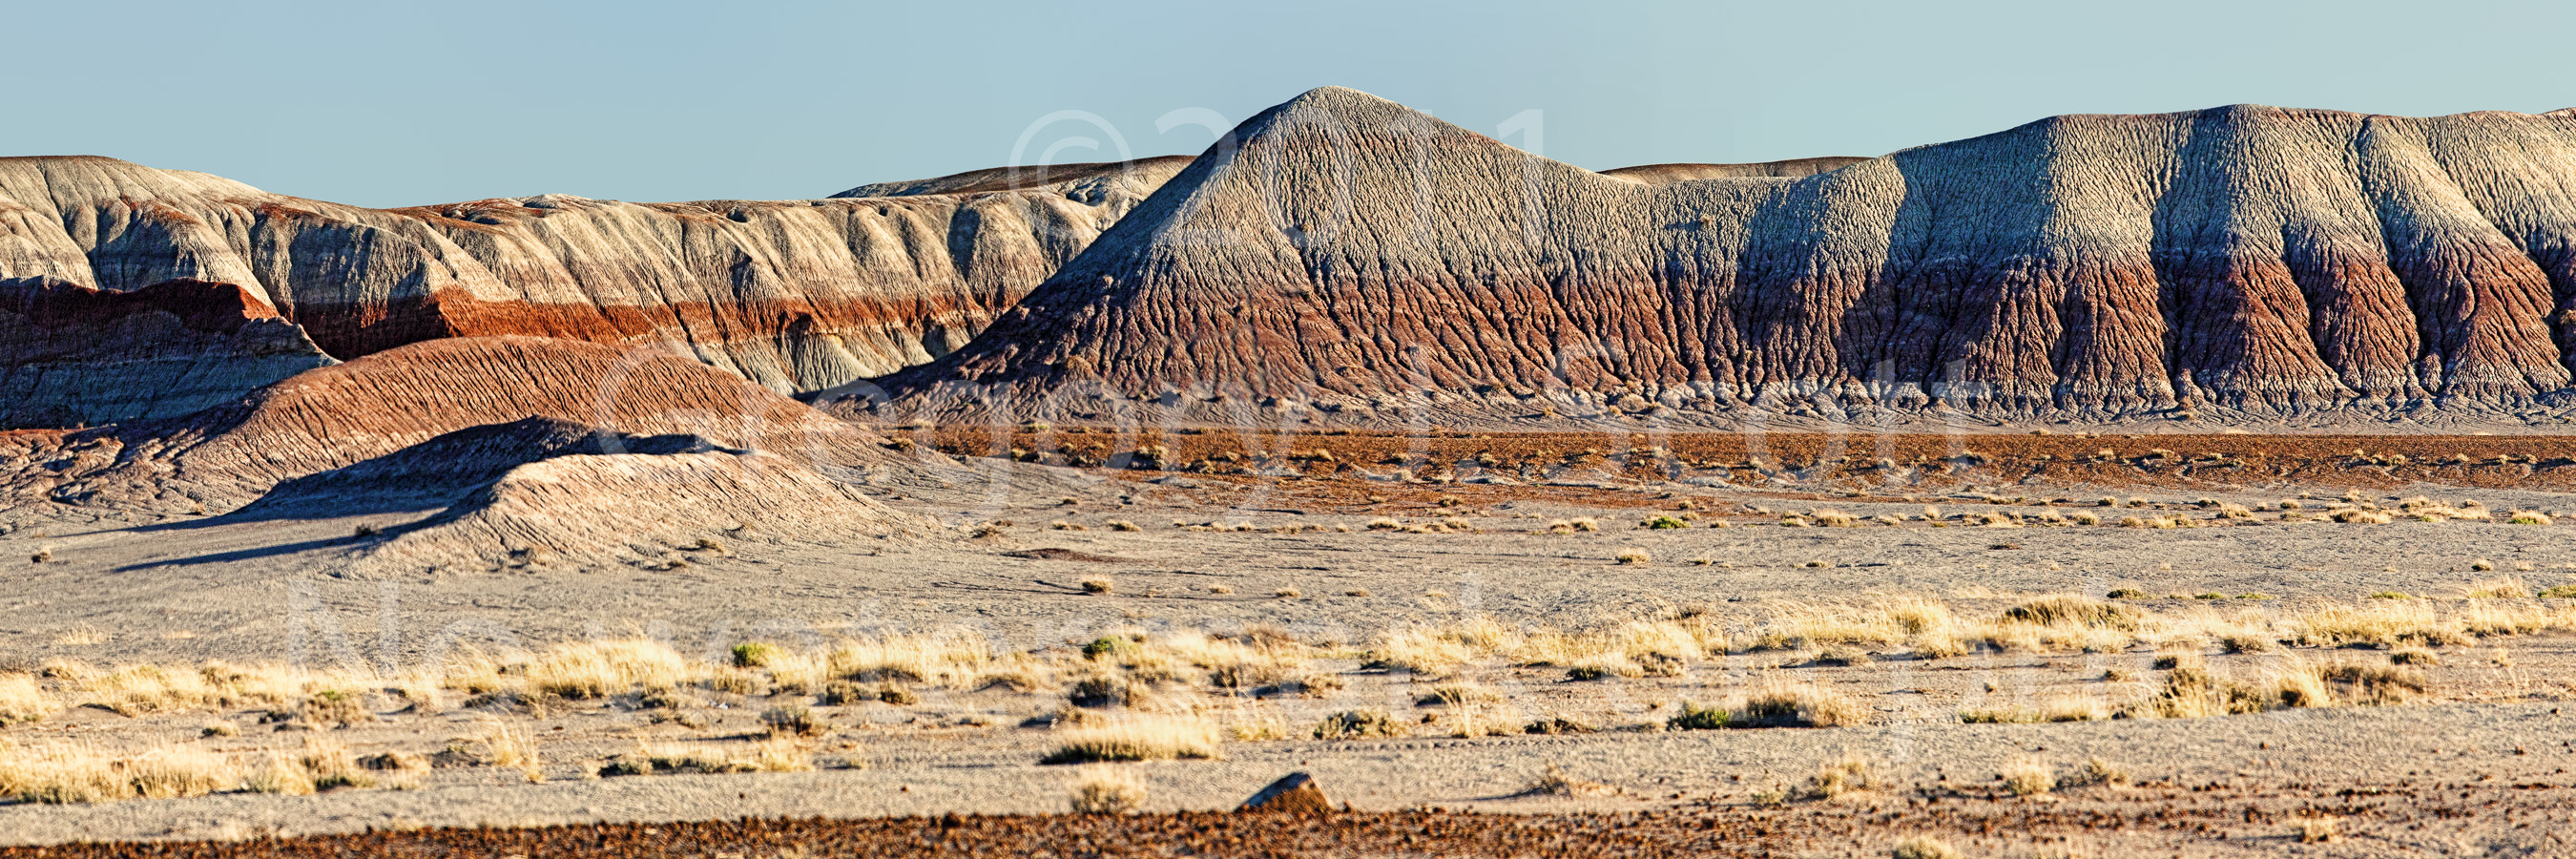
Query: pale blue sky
<point>378,104</point>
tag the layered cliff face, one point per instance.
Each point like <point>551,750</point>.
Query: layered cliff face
<point>795,295</point>
<point>1343,258</point>
<point>423,417</point>
<point>71,355</point>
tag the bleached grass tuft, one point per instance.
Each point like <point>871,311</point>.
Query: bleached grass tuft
<point>1106,790</point>
<point>1139,738</point>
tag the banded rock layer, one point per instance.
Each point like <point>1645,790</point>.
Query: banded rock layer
<point>72,355</point>
<point>333,418</point>
<point>795,295</point>
<point>1343,258</point>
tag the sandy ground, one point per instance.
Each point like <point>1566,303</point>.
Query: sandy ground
<point>2397,777</point>
<point>2477,767</point>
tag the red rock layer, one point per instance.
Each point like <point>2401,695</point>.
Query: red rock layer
<point>1345,258</point>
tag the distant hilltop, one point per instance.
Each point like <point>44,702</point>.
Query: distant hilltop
<point>1342,259</point>
<point>1349,260</point>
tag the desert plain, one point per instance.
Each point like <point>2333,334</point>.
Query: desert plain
<point>2191,484</point>
<point>2200,644</point>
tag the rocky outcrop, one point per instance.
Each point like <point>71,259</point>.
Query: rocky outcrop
<point>442,470</point>
<point>436,393</point>
<point>795,295</point>
<point>71,355</point>
<point>635,508</point>
<point>1344,259</point>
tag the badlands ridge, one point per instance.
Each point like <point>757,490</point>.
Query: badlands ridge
<point>1343,259</point>
<point>1337,259</point>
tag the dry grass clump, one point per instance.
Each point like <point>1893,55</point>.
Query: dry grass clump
<point>1633,557</point>
<point>1851,773</point>
<point>22,701</point>
<point>133,690</point>
<point>2028,778</point>
<point>79,773</point>
<point>2245,641</point>
<point>2070,610</point>
<point>2529,517</point>
<point>1778,704</point>
<point>501,745</point>
<point>775,754</point>
<point>2429,510</point>
<point>1800,626</point>
<point>2062,622</point>
<point>598,669</point>
<point>2384,623</point>
<point>1439,651</point>
<point>2374,684</point>
<point>951,658</point>
<point>1660,647</point>
<point>1106,790</point>
<point>1139,738</point>
<point>1099,585</point>
<point>1583,523</point>
<point>791,721</point>
<point>2496,589</point>
<point>1456,693</point>
<point>2096,771</point>
<point>2192,691</point>
<point>323,765</point>
<point>2066,708</point>
<point>1357,724</point>
<point>1833,518</point>
<point>1242,662</point>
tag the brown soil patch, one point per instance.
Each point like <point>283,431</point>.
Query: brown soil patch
<point>1347,466</point>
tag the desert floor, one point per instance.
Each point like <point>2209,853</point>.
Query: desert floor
<point>1512,634</point>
